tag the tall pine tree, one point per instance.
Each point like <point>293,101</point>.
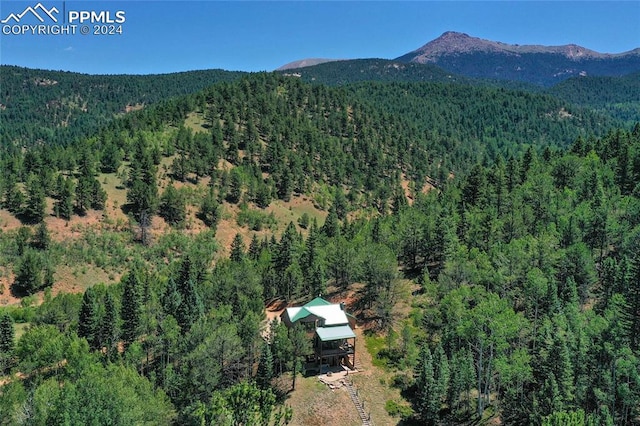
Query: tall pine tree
<point>131,310</point>
<point>88,319</point>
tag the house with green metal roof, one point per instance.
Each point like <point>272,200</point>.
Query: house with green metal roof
<point>334,342</point>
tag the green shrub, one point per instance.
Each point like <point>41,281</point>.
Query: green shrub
<point>397,410</point>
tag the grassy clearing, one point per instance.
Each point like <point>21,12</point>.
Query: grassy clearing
<point>116,194</point>
<point>373,383</point>
<point>20,329</point>
<point>314,403</point>
<point>76,279</point>
<point>196,122</point>
<point>293,210</point>
<point>374,345</point>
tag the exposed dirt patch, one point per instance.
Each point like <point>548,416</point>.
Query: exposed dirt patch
<point>7,278</point>
<point>275,309</point>
<point>77,280</point>
<point>64,230</point>
<point>8,221</point>
<point>131,108</point>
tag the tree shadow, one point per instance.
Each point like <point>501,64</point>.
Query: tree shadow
<point>26,219</point>
<point>17,291</point>
<point>127,209</point>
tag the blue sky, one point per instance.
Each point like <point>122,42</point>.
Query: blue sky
<point>169,36</point>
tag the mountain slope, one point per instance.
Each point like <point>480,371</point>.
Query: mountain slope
<point>384,70</point>
<point>617,96</point>
<point>305,63</point>
<point>362,134</point>
<point>541,65</point>
<point>55,106</point>
<point>359,70</point>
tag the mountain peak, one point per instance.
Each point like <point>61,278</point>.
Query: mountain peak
<point>451,43</point>
<point>479,58</point>
<point>454,35</point>
<point>456,43</point>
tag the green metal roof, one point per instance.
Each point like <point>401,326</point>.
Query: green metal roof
<point>302,313</point>
<point>327,334</point>
<point>318,301</point>
<point>330,314</point>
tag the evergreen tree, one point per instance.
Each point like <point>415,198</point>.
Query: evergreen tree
<point>22,238</point>
<point>633,293</point>
<point>34,209</point>
<point>263,195</point>
<point>340,204</point>
<point>287,248</point>
<point>210,210</point>
<point>292,281</point>
<point>143,189</point>
<point>84,190</point>
<point>111,158</point>
<point>254,248</point>
<point>191,307</point>
<point>173,207</point>
<point>7,334</point>
<point>441,372</point>
<point>143,198</point>
<point>98,195</point>
<point>29,272</point>
<point>264,375</point>
<point>342,262</point>
<point>427,393</point>
<point>42,238</point>
<point>88,319</point>
<point>172,299</point>
<point>14,197</point>
<point>235,186</point>
<point>63,207</point>
<point>237,249</point>
<point>331,226</point>
<point>108,327</point>
<point>456,381</point>
<point>560,359</point>
<point>300,348</point>
<point>304,220</point>
<point>131,311</point>
<point>285,185</point>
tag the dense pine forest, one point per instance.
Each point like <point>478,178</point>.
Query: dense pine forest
<point>59,107</point>
<point>488,238</point>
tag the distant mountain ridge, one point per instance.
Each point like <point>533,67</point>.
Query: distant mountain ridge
<point>455,43</point>
<point>302,63</point>
<point>537,64</point>
<point>360,70</point>
<point>468,56</point>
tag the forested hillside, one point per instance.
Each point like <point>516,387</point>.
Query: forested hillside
<point>512,217</point>
<point>57,107</point>
<point>617,96</point>
<point>358,70</point>
<point>336,73</point>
